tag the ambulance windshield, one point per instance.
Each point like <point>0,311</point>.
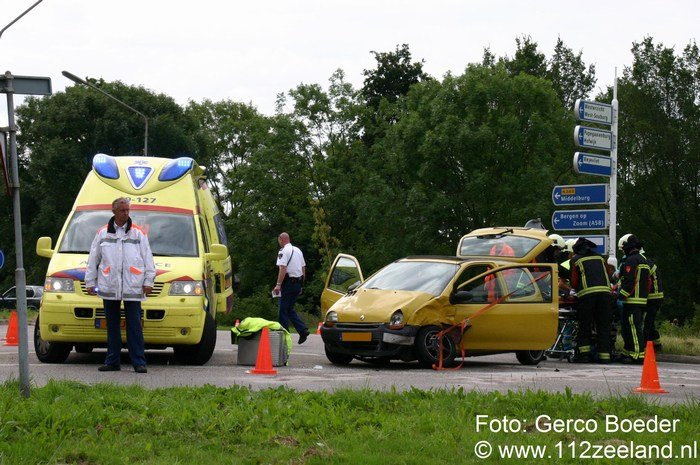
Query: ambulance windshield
<point>169,234</point>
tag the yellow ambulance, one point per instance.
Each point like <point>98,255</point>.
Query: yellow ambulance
<point>171,202</point>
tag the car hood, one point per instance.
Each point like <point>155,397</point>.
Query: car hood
<point>376,306</point>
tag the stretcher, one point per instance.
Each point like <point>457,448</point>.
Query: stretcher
<point>565,344</point>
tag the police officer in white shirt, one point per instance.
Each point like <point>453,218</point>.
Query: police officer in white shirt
<point>290,279</point>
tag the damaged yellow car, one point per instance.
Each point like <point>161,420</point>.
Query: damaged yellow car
<point>501,284</point>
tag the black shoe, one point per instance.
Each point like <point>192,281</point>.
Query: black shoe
<point>627,360</point>
<point>581,358</point>
<point>303,337</point>
<point>141,369</point>
<point>109,368</point>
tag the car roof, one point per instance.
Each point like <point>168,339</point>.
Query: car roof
<point>456,260</point>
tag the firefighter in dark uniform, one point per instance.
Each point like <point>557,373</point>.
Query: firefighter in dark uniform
<point>590,279</point>
<point>634,291</point>
<point>654,301</point>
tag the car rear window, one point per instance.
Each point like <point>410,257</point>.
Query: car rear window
<point>497,245</point>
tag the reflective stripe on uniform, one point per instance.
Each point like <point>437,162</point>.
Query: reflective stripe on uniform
<point>132,296</point>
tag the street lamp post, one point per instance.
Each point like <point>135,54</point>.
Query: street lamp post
<point>85,82</point>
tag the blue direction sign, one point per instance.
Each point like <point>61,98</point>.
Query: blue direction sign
<point>592,138</point>
<point>588,163</point>
<point>594,112</point>
<point>563,220</point>
<point>580,194</point>
<point>600,241</point>
<point>2,259</point>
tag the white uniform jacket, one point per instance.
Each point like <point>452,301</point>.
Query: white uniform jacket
<point>120,266</point>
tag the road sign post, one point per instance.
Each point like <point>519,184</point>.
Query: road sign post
<point>580,220</point>
<point>27,85</point>
<point>580,194</point>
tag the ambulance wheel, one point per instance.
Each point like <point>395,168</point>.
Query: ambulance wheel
<point>427,348</point>
<point>49,352</point>
<point>337,358</point>
<point>530,357</point>
<point>199,354</point>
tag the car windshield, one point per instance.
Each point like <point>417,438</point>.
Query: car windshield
<point>430,277</point>
<point>169,234</point>
<point>505,245</point>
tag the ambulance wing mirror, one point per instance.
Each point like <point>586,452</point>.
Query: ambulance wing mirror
<point>218,253</point>
<point>43,247</point>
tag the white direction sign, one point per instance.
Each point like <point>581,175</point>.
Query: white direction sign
<point>600,241</point>
<point>593,138</point>
<point>588,163</point>
<point>594,112</point>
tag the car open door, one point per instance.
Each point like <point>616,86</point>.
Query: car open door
<point>521,313</point>
<point>344,273</point>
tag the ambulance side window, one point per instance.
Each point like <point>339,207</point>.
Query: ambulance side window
<point>220,229</point>
<point>205,235</point>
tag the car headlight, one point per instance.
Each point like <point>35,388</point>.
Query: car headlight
<point>331,318</point>
<point>186,288</point>
<point>59,285</point>
<point>396,320</point>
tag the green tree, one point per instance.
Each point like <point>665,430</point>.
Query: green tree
<point>566,71</point>
<point>659,164</point>
<point>59,135</point>
<point>471,151</point>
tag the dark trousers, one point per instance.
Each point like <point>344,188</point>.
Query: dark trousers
<point>289,292</point>
<point>134,332</point>
<point>632,332</point>
<point>650,331</point>
<point>594,309</point>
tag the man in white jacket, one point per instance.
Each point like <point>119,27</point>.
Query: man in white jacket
<point>120,268</point>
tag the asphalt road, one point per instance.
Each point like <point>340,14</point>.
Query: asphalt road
<point>308,369</point>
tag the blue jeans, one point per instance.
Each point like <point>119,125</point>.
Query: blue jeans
<point>289,292</point>
<point>134,332</point>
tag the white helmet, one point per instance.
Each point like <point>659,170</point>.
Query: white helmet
<point>557,241</point>
<point>623,240</point>
<point>570,245</point>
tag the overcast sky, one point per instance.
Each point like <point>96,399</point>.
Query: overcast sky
<point>249,51</point>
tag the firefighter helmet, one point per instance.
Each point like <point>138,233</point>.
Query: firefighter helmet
<point>623,240</point>
<point>570,245</point>
<point>558,241</point>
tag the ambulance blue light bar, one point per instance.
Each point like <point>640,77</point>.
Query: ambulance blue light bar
<point>105,166</point>
<point>175,169</point>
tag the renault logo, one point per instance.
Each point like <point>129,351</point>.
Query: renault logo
<point>362,318</point>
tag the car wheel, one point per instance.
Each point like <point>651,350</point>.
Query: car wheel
<point>427,347</point>
<point>199,354</point>
<point>337,358</point>
<point>49,352</point>
<point>530,357</point>
<point>83,348</point>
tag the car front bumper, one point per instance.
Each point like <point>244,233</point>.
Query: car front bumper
<point>369,340</point>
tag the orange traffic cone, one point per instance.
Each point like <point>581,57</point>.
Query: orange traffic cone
<point>263,364</point>
<point>650,375</point>
<point>11,336</point>
<point>318,329</point>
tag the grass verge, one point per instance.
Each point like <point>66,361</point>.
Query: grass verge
<point>68,422</point>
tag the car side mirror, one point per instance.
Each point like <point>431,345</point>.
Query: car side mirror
<point>43,247</point>
<point>217,253</point>
<point>353,286</point>
<point>461,297</point>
